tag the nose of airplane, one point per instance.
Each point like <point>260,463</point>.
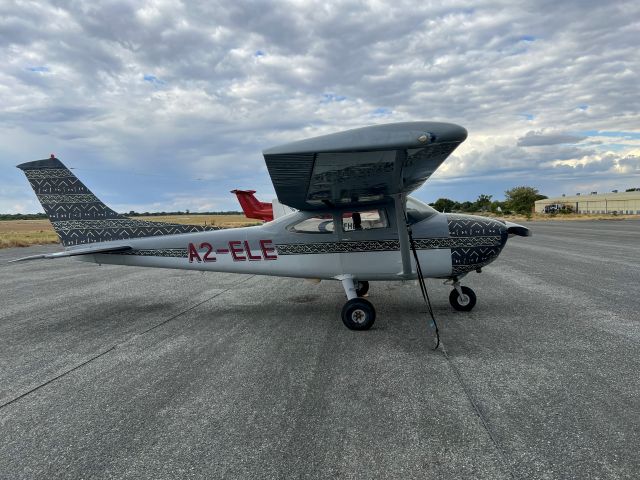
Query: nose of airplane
<point>475,241</point>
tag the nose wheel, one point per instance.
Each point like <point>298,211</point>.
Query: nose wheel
<point>358,313</point>
<point>462,298</point>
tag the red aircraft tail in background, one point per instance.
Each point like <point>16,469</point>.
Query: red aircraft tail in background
<point>253,208</point>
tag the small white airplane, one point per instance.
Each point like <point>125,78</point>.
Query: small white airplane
<point>354,221</point>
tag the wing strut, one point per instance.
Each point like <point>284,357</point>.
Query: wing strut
<point>403,235</point>
<point>400,200</point>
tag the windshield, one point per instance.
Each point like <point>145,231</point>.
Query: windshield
<point>418,211</point>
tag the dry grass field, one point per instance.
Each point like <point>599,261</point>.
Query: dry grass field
<point>22,233</point>
<point>224,221</point>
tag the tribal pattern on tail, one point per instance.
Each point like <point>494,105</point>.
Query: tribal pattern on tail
<point>79,217</point>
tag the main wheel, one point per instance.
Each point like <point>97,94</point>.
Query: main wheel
<point>464,302</point>
<point>358,314</point>
<point>362,287</point>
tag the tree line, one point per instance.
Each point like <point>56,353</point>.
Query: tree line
<point>517,200</point>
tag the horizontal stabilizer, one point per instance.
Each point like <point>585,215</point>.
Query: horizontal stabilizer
<point>75,252</point>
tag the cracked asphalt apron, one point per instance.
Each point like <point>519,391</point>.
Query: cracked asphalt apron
<point>120,372</point>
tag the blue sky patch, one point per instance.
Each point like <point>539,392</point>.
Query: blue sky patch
<point>612,147</point>
<point>153,79</point>
<point>612,134</point>
<point>381,112</point>
<point>39,69</point>
<point>527,38</point>
<point>259,53</point>
<point>332,97</point>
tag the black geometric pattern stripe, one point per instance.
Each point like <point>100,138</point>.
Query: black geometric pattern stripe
<point>79,217</point>
<point>385,245</point>
<point>155,252</point>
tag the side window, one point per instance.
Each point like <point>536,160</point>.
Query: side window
<point>364,220</point>
<point>317,224</point>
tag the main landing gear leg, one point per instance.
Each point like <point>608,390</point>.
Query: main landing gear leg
<point>462,298</point>
<point>357,313</point>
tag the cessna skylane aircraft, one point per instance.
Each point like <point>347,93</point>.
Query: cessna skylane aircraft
<point>353,223</point>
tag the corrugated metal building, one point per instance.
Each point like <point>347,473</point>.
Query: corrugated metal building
<point>620,203</point>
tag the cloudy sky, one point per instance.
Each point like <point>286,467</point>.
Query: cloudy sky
<point>167,105</point>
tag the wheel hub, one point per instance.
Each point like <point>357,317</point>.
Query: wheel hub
<point>358,316</point>
<point>463,300</point>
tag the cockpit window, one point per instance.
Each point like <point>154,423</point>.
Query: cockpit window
<point>418,211</point>
<point>364,220</point>
<point>316,224</point>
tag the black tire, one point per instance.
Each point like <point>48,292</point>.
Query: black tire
<point>463,306</point>
<point>362,287</point>
<point>358,314</point>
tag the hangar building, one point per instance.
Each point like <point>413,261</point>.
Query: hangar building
<point>614,202</point>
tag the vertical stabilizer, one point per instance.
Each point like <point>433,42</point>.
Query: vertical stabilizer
<point>78,216</point>
<point>253,208</point>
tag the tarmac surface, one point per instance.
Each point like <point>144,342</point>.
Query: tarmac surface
<point>120,372</point>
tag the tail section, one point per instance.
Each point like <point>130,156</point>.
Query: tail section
<point>78,216</point>
<point>253,208</point>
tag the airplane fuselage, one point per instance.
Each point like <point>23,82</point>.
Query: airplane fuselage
<point>448,245</point>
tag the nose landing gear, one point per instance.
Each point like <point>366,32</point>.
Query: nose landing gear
<point>462,298</point>
<point>357,313</point>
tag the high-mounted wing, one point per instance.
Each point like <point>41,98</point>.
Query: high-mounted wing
<point>360,166</point>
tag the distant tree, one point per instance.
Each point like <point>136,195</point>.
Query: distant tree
<point>632,190</point>
<point>468,206</point>
<point>444,205</point>
<point>522,199</point>
<point>498,207</point>
<point>483,202</point>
